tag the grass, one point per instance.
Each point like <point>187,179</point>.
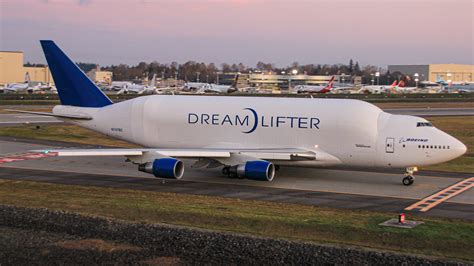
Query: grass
<point>438,237</point>
<point>459,127</point>
<point>65,133</point>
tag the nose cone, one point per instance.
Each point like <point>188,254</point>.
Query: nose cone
<point>458,148</point>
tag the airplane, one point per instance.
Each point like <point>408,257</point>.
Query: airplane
<point>18,87</point>
<point>461,87</point>
<point>315,89</point>
<point>379,88</point>
<point>249,137</point>
<point>215,88</point>
<point>193,86</point>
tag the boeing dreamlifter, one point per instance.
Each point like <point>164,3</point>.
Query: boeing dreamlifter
<point>250,137</point>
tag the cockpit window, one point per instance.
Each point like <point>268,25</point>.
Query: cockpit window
<point>424,124</point>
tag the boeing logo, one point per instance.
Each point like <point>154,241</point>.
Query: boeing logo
<point>412,140</point>
<point>252,120</point>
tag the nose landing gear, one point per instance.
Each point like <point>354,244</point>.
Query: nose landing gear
<point>408,178</point>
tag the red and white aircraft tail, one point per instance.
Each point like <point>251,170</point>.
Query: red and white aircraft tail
<point>328,87</point>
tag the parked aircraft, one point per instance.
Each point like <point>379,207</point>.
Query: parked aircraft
<point>18,87</point>
<point>314,88</point>
<point>215,88</point>
<point>249,137</point>
<point>379,88</point>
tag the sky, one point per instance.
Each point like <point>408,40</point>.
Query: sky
<point>376,32</point>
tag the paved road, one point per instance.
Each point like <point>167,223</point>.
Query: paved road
<point>332,188</point>
<point>15,119</point>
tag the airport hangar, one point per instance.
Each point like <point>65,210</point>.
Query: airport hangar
<point>447,72</point>
<point>12,70</point>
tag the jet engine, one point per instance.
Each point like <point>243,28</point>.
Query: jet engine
<point>253,170</point>
<point>164,167</point>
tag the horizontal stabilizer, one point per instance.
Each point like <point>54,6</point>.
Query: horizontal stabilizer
<point>78,117</point>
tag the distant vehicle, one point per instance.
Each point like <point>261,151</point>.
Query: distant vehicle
<point>249,137</point>
<point>315,88</point>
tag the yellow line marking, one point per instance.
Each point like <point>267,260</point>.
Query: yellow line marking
<point>437,198</point>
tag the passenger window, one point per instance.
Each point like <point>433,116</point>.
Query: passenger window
<point>424,124</point>
<point>444,147</point>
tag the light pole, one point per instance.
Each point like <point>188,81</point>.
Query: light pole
<point>294,72</point>
<point>197,78</point>
<point>176,78</point>
<point>377,74</point>
<point>416,75</point>
<point>372,78</point>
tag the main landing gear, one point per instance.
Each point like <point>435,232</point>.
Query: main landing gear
<point>408,178</point>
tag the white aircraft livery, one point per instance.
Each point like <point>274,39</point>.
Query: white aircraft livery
<point>249,137</point>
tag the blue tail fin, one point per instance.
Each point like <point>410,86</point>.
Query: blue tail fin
<point>74,87</point>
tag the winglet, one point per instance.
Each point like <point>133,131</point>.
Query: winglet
<point>74,87</point>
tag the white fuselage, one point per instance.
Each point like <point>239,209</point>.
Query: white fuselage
<point>355,132</point>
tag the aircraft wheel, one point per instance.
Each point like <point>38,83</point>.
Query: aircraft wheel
<point>226,170</point>
<point>233,175</point>
<point>408,180</point>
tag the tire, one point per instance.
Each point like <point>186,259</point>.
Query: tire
<point>408,180</point>
<point>225,171</point>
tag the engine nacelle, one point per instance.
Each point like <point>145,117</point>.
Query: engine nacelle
<point>164,168</point>
<point>255,170</point>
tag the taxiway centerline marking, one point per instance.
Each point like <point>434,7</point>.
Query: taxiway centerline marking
<point>442,196</point>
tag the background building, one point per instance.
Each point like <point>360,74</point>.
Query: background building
<point>275,81</point>
<point>100,76</point>
<point>453,72</point>
<point>13,71</point>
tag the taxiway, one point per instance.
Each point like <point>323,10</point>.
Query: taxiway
<point>323,187</point>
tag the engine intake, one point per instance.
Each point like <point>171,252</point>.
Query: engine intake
<point>164,168</point>
<point>254,170</point>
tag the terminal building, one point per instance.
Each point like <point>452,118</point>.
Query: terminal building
<point>277,81</point>
<point>100,76</point>
<point>447,72</point>
<point>12,70</point>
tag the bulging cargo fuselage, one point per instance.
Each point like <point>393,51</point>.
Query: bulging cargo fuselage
<point>350,132</point>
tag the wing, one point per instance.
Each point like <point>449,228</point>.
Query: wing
<point>205,156</point>
<point>224,156</point>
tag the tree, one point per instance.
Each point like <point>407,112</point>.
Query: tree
<point>357,68</point>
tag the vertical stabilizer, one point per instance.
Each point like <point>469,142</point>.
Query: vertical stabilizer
<point>74,87</point>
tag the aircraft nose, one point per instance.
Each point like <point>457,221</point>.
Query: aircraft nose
<point>459,148</point>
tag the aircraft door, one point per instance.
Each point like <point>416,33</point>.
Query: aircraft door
<point>390,145</point>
